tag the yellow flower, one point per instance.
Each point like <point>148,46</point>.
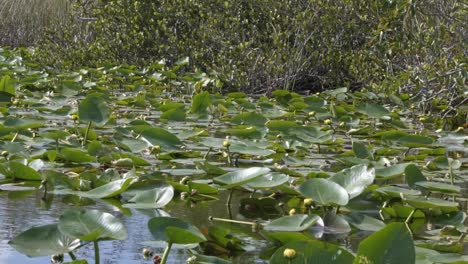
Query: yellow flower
<point>289,253</point>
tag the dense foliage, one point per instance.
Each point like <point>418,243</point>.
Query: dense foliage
<point>308,175</point>
<point>258,46</point>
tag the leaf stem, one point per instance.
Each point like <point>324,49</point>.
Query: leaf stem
<point>96,252</point>
<point>87,132</point>
<point>72,256</point>
<point>166,253</point>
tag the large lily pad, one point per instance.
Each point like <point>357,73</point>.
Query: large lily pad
<point>44,241</point>
<point>91,225</point>
<point>391,245</point>
<point>161,137</point>
<point>93,108</point>
<point>174,230</point>
<point>324,192</point>
<point>156,197</point>
<point>240,177</point>
<point>354,179</point>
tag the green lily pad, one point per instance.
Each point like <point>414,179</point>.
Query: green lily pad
<point>413,175</point>
<point>157,197</point>
<point>354,179</point>
<point>391,245</point>
<point>44,241</point>
<point>200,103</point>
<point>439,187</point>
<point>249,118</point>
<point>360,150</point>
<point>93,109</point>
<point>396,192</point>
<point>75,155</point>
<point>268,180</point>
<point>391,172</point>
<point>23,172</point>
<point>414,141</point>
<point>292,223</point>
<point>324,192</point>
<point>365,223</point>
<point>428,203</point>
<point>159,137</point>
<point>240,177</point>
<point>91,225</point>
<point>174,230</point>
<point>108,190</point>
<point>372,110</point>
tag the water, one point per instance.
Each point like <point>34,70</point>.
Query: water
<point>28,210</point>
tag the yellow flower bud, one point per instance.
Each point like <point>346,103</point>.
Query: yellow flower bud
<point>327,121</point>
<point>308,201</point>
<point>289,253</point>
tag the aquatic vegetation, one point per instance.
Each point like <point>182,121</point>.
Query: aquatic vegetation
<point>312,172</point>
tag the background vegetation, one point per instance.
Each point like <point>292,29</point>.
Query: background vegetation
<point>405,46</point>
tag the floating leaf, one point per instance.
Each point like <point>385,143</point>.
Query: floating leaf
<point>413,175</point>
<point>44,241</point>
<point>269,180</point>
<point>391,245</point>
<point>240,177</point>
<point>430,203</point>
<point>324,192</point>
<point>372,110</point>
<point>249,118</point>
<point>157,197</point>
<point>108,190</point>
<point>160,137</point>
<point>354,179</point>
<point>364,222</point>
<point>93,109</point>
<point>360,150</point>
<point>174,230</point>
<point>391,172</point>
<point>414,141</point>
<point>396,192</point>
<point>91,225</point>
<point>75,155</point>
<point>439,187</point>
<point>23,172</point>
<point>292,223</point>
<point>200,103</point>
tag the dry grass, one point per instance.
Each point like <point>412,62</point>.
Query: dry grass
<point>23,22</point>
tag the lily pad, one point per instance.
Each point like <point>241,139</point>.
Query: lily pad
<point>93,109</point>
<point>324,192</point>
<point>240,177</point>
<point>157,197</point>
<point>174,230</point>
<point>44,241</point>
<point>269,180</point>
<point>91,225</point>
<point>354,179</point>
<point>292,223</point>
<point>160,137</point>
<point>391,245</point>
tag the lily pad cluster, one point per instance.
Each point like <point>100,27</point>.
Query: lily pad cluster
<point>314,172</point>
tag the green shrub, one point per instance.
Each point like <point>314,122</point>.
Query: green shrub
<point>258,46</point>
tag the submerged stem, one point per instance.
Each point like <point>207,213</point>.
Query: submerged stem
<point>166,253</point>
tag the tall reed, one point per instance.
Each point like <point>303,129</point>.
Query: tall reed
<point>23,22</point>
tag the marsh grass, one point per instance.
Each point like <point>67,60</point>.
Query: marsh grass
<point>23,22</point>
